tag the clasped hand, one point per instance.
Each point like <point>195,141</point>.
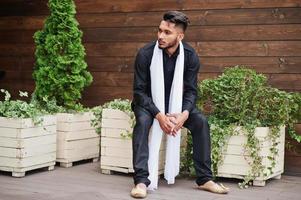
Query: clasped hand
<point>171,123</point>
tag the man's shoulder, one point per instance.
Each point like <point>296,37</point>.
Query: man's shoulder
<point>188,48</point>
<point>147,50</point>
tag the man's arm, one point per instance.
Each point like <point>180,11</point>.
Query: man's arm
<point>141,96</point>
<point>189,93</point>
<point>190,83</point>
<point>142,85</point>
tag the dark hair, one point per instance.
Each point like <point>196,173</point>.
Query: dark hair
<point>178,18</point>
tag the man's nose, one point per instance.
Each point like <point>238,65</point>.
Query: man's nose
<point>161,35</point>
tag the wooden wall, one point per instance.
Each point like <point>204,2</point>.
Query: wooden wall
<point>265,35</point>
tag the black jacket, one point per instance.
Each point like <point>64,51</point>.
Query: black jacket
<point>142,83</point>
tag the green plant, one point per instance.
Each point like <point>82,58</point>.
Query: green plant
<point>60,71</point>
<point>117,104</point>
<point>241,97</point>
<point>18,108</point>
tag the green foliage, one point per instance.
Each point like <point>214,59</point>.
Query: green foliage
<point>60,71</point>
<point>18,108</point>
<point>117,104</point>
<point>241,97</point>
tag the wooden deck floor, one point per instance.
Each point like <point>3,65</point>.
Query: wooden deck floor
<point>84,182</point>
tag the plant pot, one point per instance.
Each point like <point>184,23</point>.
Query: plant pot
<point>25,146</point>
<point>236,163</point>
<point>116,150</point>
<point>77,139</point>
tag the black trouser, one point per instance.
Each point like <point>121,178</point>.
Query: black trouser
<point>199,128</point>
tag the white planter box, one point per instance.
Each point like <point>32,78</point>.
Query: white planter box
<point>235,163</point>
<point>76,138</point>
<point>116,151</point>
<point>25,146</point>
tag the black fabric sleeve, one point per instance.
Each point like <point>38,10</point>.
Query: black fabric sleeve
<point>190,83</point>
<point>142,94</point>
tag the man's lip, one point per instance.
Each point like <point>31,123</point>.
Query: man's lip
<point>161,42</point>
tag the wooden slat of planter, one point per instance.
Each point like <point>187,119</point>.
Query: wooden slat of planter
<point>112,132</point>
<point>123,152</point>
<point>28,142</point>
<point>70,155</point>
<point>25,169</point>
<point>26,123</point>
<point>122,162</point>
<point>78,117</point>
<point>108,113</point>
<point>78,126</point>
<point>239,172</point>
<point>28,132</point>
<point>28,152</point>
<point>77,135</point>
<point>116,142</point>
<point>27,162</point>
<point>111,123</point>
<point>75,144</point>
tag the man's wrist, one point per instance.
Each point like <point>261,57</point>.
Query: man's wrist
<point>186,113</point>
<point>159,116</point>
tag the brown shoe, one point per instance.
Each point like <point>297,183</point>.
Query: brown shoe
<point>213,187</point>
<point>139,191</point>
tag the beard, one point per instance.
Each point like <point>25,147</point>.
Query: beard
<point>169,45</point>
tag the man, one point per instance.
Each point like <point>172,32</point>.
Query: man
<point>170,34</point>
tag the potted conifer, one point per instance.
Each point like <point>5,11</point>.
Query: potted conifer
<point>61,73</point>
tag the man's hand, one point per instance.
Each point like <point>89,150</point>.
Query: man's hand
<point>165,123</point>
<point>178,119</point>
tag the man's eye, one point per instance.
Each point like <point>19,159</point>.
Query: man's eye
<point>167,32</point>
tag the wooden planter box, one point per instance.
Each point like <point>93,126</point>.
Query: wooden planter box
<point>25,146</point>
<point>76,138</point>
<point>235,163</point>
<point>116,151</point>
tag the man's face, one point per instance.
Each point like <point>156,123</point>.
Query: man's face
<point>169,35</point>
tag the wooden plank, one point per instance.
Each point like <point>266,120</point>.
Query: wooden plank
<point>28,142</point>
<point>195,33</point>
<point>77,135</point>
<point>76,154</point>
<point>251,48</point>
<point>200,17</point>
<point>78,126</point>
<point>75,117</point>
<point>231,48</point>
<point>22,67</point>
<point>138,19</point>
<point>159,5</point>
<point>28,152</point>
<point>27,162</point>
<point>28,132</point>
<point>27,122</point>
<point>76,144</point>
<point>286,81</point>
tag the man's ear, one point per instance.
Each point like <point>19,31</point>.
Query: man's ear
<point>180,37</point>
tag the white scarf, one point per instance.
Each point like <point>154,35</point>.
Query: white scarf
<point>172,160</point>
